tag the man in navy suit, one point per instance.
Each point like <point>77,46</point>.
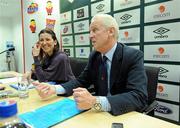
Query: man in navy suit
<point>126,77</point>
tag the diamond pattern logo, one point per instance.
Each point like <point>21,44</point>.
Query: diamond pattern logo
<point>66,40</point>
<point>100,7</point>
<point>161,30</point>
<point>163,70</point>
<point>126,17</point>
<point>81,25</point>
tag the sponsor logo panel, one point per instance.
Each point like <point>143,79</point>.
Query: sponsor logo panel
<point>69,51</point>
<point>81,13</point>
<point>81,26</point>
<point>165,52</point>
<point>128,18</point>
<point>162,11</point>
<point>163,32</point>
<point>67,40</point>
<point>101,7</point>
<point>82,39</point>
<point>168,111</point>
<point>82,52</point>
<point>122,4</point>
<point>66,29</point>
<point>168,72</point>
<point>65,17</point>
<point>129,35</point>
<point>168,92</point>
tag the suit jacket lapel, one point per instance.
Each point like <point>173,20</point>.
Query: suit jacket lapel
<point>116,63</point>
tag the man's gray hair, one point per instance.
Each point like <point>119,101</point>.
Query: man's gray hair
<point>108,21</point>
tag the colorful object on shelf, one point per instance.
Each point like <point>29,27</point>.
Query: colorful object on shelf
<point>49,7</point>
<point>50,23</point>
<point>32,25</point>
<point>32,8</point>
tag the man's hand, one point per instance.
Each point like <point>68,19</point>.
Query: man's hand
<point>44,90</point>
<point>83,98</point>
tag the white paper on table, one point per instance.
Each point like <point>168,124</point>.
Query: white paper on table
<point>8,80</point>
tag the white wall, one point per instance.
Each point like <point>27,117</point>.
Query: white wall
<point>5,35</point>
<point>11,30</point>
<point>18,42</point>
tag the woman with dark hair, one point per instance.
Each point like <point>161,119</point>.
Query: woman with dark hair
<point>50,64</point>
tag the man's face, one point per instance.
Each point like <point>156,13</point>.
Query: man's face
<point>98,35</point>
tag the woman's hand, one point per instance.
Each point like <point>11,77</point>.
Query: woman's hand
<point>27,75</point>
<point>36,49</point>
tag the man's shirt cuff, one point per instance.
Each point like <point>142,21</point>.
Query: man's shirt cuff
<point>105,105</point>
<point>59,89</point>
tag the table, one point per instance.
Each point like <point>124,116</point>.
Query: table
<point>91,118</point>
<point>8,74</point>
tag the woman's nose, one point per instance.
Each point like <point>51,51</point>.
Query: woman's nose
<point>43,42</point>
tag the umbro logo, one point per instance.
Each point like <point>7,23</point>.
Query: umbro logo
<point>126,17</point>
<point>100,7</point>
<point>161,31</point>
<point>66,40</point>
<point>81,25</point>
<point>162,70</point>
